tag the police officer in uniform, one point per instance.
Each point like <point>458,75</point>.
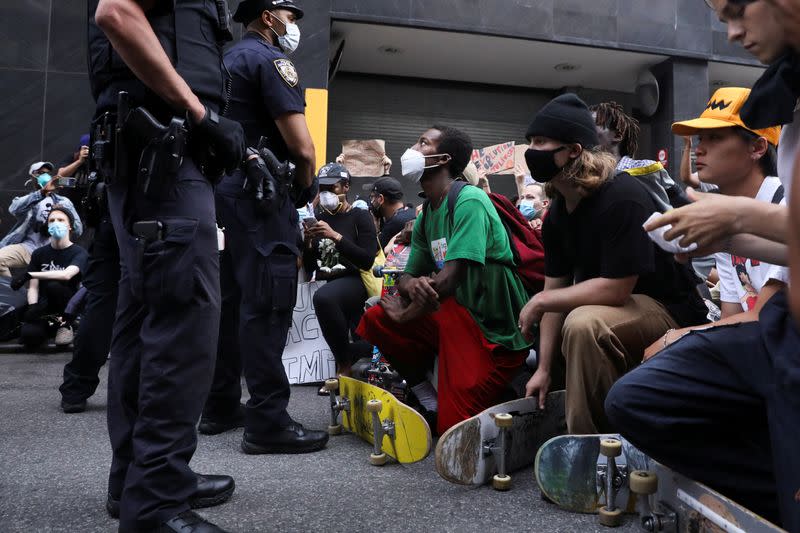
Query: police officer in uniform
<point>156,75</point>
<point>262,240</point>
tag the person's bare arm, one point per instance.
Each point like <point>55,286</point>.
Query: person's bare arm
<point>132,36</point>
<point>712,218</point>
<point>294,131</point>
<point>730,309</point>
<point>33,291</point>
<point>549,342</point>
<point>72,168</point>
<point>447,281</point>
<point>687,176</point>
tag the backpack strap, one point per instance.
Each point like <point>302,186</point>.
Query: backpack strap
<point>452,198</point>
<point>779,192</point>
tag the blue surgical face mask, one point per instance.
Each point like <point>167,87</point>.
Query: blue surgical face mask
<point>58,230</point>
<point>43,179</point>
<point>527,209</point>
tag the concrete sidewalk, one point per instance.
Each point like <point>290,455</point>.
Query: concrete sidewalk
<point>54,467</point>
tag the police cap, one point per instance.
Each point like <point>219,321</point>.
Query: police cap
<point>249,10</point>
<point>333,173</point>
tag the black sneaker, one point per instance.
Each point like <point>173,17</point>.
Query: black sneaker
<point>70,408</point>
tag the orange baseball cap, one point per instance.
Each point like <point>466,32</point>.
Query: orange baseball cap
<point>722,111</point>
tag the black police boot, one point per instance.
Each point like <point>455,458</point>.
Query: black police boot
<point>77,407</point>
<point>215,426</point>
<point>294,438</point>
<point>211,490</point>
<point>189,522</point>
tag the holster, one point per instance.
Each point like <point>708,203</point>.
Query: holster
<point>161,153</point>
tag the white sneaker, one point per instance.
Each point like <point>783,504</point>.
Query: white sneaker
<point>64,336</point>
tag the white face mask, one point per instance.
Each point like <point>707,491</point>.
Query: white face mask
<point>328,201</point>
<point>412,164</point>
<point>291,39</point>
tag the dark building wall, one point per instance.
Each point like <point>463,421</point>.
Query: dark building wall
<point>683,28</point>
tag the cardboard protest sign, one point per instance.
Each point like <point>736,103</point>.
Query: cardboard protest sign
<point>497,159</point>
<point>307,357</point>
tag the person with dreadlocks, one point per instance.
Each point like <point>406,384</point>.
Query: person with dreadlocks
<point>619,135</point>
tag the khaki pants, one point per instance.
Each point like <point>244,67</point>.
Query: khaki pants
<point>13,256</point>
<point>601,343</point>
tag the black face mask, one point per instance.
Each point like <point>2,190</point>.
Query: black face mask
<point>542,163</point>
<point>375,209</point>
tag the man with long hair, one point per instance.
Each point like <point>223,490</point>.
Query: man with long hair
<point>609,291</point>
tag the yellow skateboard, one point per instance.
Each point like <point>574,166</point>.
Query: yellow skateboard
<point>367,411</point>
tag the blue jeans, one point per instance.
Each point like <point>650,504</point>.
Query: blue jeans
<point>723,407</point>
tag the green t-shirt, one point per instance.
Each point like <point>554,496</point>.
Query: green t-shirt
<point>492,292</point>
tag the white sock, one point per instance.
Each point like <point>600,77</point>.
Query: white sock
<point>426,395</point>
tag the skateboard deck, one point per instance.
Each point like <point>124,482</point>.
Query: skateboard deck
<point>411,441</point>
<point>567,471</point>
<point>464,452</point>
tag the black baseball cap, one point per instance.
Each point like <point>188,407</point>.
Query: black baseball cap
<point>390,188</point>
<point>333,173</point>
<point>249,10</point>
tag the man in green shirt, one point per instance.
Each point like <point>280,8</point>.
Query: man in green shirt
<point>460,295</point>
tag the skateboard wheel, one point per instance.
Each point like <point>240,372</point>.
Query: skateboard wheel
<point>503,420</point>
<point>335,430</point>
<point>374,406</point>
<point>331,385</point>
<point>501,482</point>
<point>377,459</point>
<point>610,447</point>
<point>643,482</point>
<point>611,518</point>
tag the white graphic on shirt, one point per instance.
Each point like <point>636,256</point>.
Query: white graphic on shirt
<point>51,267</point>
<point>439,250</point>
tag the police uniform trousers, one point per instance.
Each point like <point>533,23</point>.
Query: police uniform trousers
<point>259,289</point>
<point>722,406</point>
<point>93,337</point>
<point>162,347</point>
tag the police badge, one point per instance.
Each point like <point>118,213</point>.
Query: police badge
<point>287,71</point>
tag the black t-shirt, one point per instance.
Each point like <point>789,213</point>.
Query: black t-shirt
<point>395,225</point>
<point>47,259</point>
<point>603,238</point>
<point>359,242</point>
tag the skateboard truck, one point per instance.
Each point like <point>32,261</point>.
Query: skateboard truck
<point>611,477</point>
<point>337,406</point>
<point>498,448</point>
<point>644,484</point>
<point>379,430</point>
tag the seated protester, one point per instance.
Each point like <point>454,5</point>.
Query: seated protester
<point>459,296</point>
<point>533,203</point>
<point>386,204</point>
<point>54,272</point>
<point>30,230</point>
<point>618,134</point>
<point>342,242</point>
<point>739,161</point>
<point>609,291</point>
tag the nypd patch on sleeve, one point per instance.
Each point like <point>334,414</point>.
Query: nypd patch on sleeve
<point>287,71</point>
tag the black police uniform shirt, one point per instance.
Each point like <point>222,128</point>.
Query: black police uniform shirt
<point>49,259</point>
<point>264,86</point>
<point>603,238</point>
<point>395,225</point>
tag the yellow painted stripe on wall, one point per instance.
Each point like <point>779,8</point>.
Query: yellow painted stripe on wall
<point>317,120</point>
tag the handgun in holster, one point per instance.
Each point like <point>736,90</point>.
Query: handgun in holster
<point>162,155</point>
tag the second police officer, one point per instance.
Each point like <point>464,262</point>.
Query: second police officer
<point>260,261</point>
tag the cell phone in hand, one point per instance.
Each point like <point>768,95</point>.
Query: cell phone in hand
<point>309,221</point>
<point>67,182</point>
